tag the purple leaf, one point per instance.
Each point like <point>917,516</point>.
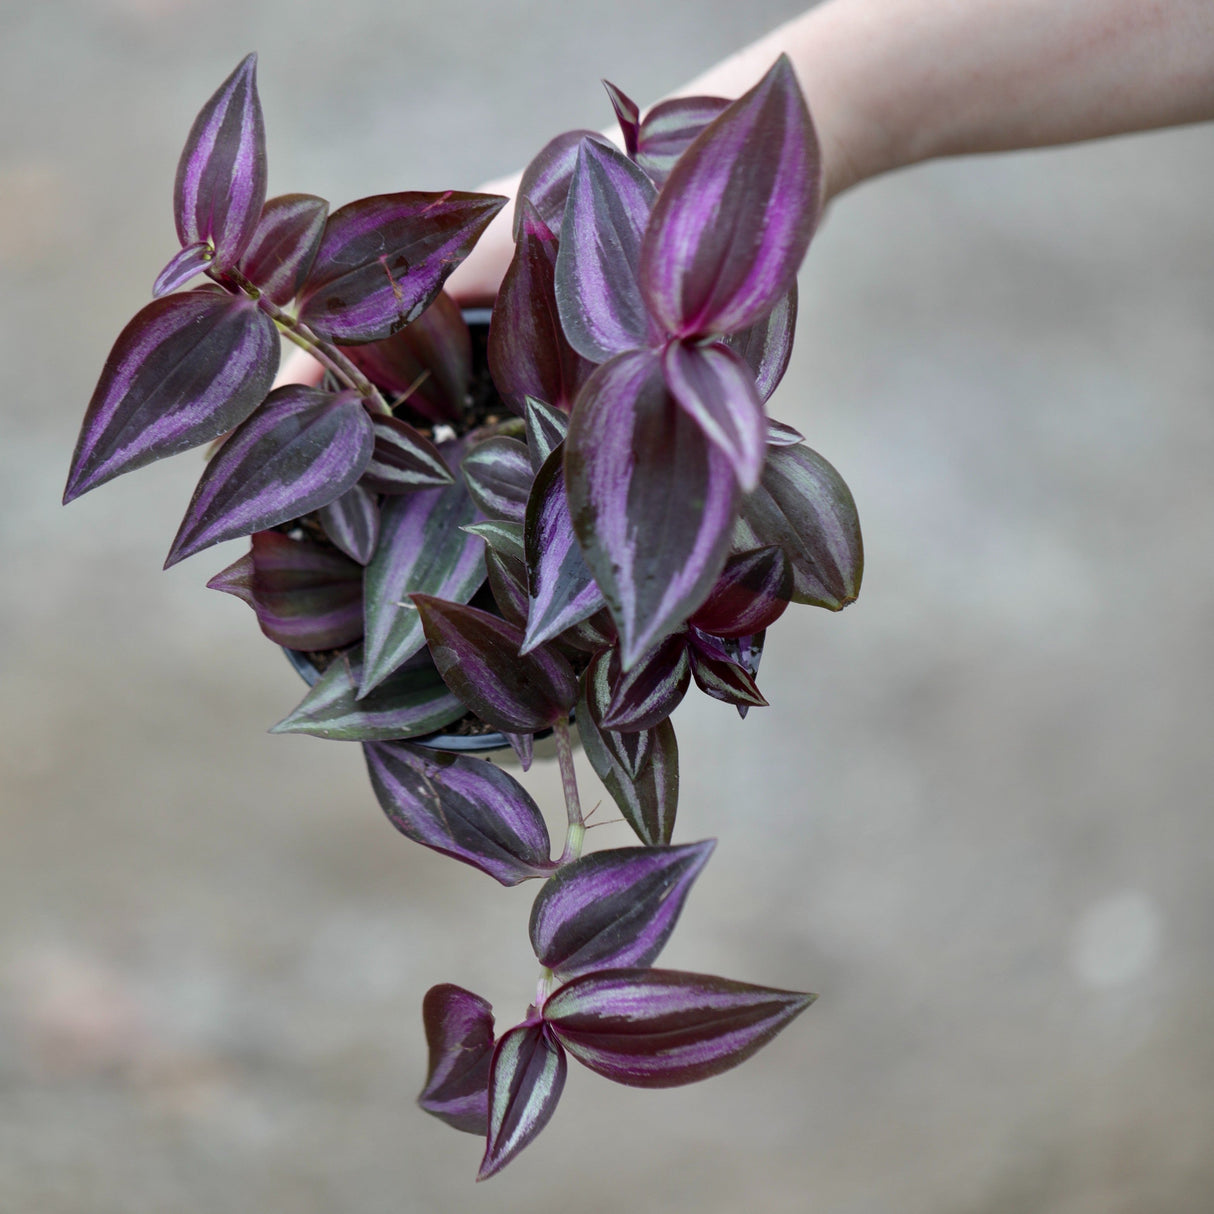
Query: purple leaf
<point>523,745</point>
<point>525,1084</point>
<point>187,369</point>
<point>352,523</point>
<point>639,770</point>
<point>221,176</point>
<point>478,656</point>
<point>613,909</point>
<point>499,476</point>
<point>284,245</point>
<point>409,703</point>
<point>428,363</point>
<point>306,596</point>
<point>598,632</point>
<point>508,584</point>
<point>597,293</point>
<point>628,116</point>
<point>545,181</point>
<point>403,459</point>
<point>421,547</point>
<point>459,1032</point>
<point>748,653</point>
<point>804,506</point>
<point>766,347</point>
<point>298,452</point>
<point>501,536</point>
<point>751,594</point>
<point>633,458</point>
<point>668,130</point>
<point>384,259</point>
<point>735,217</point>
<point>781,434</point>
<point>717,389</point>
<point>183,266</point>
<point>718,675</point>
<point>546,430</point>
<point>528,352</point>
<point>646,695</point>
<point>561,590</point>
<point>661,1028</point>
<point>461,806</point>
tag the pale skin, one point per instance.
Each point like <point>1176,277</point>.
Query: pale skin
<point>892,83</point>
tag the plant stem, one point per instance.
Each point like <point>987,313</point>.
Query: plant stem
<point>325,352</point>
<point>575,835</point>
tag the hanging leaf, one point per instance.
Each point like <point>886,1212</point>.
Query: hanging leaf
<point>410,703</point>
<point>352,522</point>
<point>750,595</point>
<point>525,1083</point>
<point>639,770</point>
<point>403,459</point>
<point>187,369</point>
<point>546,430</point>
<point>307,596</point>
<point>183,265</point>
<point>221,176</point>
<point>478,656</point>
<point>766,347</point>
<point>302,449</point>
<point>561,590</point>
<point>422,548</point>
<point>463,807</point>
<point>662,1028</point>
<point>647,694</point>
<point>384,259</point>
<point>545,181</point>
<point>736,215</point>
<point>633,456</point>
<point>528,353</point>
<point>459,1032</point>
<point>717,390</point>
<point>601,309</point>
<point>613,909</point>
<point>804,507</point>
<point>718,675</point>
<point>498,473</point>
<point>668,131</point>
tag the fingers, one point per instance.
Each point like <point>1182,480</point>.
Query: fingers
<point>299,367</point>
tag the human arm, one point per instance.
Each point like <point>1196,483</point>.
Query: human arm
<point>894,84</point>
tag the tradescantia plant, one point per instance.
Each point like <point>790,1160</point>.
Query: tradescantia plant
<point>465,541</point>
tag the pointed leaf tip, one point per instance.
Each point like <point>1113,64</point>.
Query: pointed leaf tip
<point>664,1028</point>
<point>221,176</point>
<point>526,1081</point>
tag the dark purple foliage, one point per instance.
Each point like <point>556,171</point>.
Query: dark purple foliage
<point>306,596</point>
<point>284,245</point>
<point>478,656</point>
<point>525,1083</point>
<point>613,909</point>
<point>662,1028</point>
<point>221,177</point>
<point>187,369</point>
<point>464,807</point>
<point>459,1032</point>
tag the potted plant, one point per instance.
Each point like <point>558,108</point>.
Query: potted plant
<point>478,529</point>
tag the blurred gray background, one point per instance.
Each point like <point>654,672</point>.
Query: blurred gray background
<point>976,818</point>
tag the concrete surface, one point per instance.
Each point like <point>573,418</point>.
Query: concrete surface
<point>977,817</point>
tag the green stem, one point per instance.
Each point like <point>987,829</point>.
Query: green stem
<point>325,352</point>
<point>575,835</point>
